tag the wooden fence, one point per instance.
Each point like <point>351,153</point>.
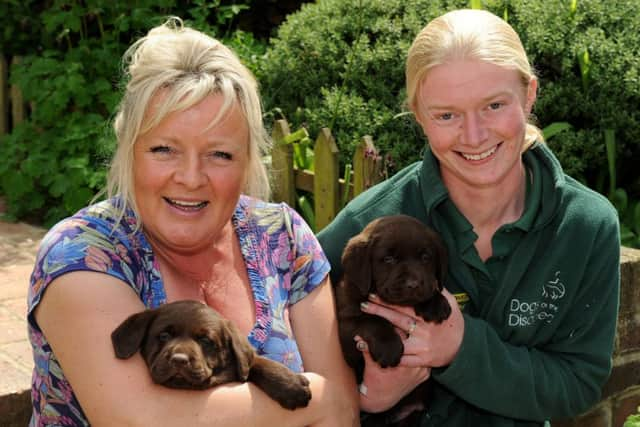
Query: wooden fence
<point>325,183</point>
<point>12,109</point>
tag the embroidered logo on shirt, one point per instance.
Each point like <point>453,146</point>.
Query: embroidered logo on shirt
<point>462,299</point>
<point>529,313</point>
<point>553,289</point>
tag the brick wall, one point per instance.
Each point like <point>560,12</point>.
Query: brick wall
<point>621,394</point>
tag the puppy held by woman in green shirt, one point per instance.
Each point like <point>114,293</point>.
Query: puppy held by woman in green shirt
<point>533,254</point>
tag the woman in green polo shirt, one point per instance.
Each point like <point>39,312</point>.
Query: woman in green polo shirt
<point>534,255</point>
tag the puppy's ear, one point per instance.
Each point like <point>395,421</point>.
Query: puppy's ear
<point>242,350</point>
<point>127,338</point>
<point>356,263</point>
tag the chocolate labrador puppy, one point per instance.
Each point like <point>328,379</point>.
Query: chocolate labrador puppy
<point>404,262</point>
<point>187,344</point>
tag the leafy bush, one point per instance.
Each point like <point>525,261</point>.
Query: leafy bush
<point>633,420</point>
<point>340,63</point>
<point>55,161</point>
<point>602,94</point>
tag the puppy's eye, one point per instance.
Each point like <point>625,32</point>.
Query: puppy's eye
<point>164,336</point>
<point>206,343</point>
<point>389,259</point>
<point>426,257</point>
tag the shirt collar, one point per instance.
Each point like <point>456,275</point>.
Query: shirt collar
<point>435,194</point>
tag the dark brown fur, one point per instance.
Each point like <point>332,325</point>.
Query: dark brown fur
<point>404,262</point>
<point>187,344</point>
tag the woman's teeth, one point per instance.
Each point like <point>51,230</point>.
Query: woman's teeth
<point>186,205</point>
<point>481,155</point>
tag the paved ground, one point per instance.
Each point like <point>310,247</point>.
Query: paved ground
<point>18,243</point>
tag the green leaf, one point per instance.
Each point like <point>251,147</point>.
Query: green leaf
<point>59,185</point>
<point>584,62</point>
<point>306,209</point>
<point>18,183</point>
<point>627,238</point>
<point>620,200</point>
<point>635,224</point>
<point>610,144</point>
<point>573,6</point>
<point>75,200</point>
<point>296,136</point>
<point>555,128</point>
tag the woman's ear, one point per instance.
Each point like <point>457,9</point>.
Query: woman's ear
<point>532,93</point>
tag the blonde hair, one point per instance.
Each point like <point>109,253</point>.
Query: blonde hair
<point>467,34</point>
<point>187,66</point>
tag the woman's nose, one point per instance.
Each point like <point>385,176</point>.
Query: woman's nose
<point>474,129</point>
<point>190,172</point>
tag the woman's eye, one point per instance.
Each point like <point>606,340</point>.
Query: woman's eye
<point>495,105</point>
<point>221,155</point>
<point>161,149</point>
<point>444,116</point>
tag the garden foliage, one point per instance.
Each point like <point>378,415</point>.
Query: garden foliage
<point>334,63</point>
<point>55,162</point>
<point>348,56</point>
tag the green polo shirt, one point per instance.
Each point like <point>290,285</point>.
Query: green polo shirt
<point>540,313</point>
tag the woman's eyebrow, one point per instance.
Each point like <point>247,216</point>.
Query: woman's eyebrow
<point>494,95</point>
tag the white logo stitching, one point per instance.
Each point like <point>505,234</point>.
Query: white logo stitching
<point>553,289</point>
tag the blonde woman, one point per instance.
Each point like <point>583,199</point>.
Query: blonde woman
<point>533,254</point>
<point>184,220</point>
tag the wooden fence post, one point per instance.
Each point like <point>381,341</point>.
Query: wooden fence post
<point>365,160</point>
<point>17,101</point>
<point>326,187</point>
<point>282,165</point>
<point>4,97</point>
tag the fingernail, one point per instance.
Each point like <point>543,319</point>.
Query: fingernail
<point>361,345</point>
<point>362,389</point>
<point>364,305</point>
<point>373,297</point>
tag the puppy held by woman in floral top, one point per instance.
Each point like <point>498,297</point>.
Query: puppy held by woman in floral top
<point>184,219</point>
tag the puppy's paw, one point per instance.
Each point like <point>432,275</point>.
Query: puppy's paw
<point>289,389</point>
<point>436,309</point>
<point>386,352</point>
<point>295,393</point>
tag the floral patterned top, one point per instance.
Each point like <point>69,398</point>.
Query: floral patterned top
<point>284,263</point>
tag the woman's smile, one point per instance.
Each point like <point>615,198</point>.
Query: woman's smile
<point>480,156</point>
<point>184,205</point>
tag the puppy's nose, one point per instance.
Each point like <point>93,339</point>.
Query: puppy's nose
<point>412,283</point>
<point>179,359</point>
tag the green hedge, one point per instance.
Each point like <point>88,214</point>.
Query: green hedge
<point>55,162</point>
<point>335,63</point>
<point>340,63</point>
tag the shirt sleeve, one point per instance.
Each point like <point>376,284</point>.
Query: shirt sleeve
<point>79,244</point>
<point>560,378</point>
<point>310,265</point>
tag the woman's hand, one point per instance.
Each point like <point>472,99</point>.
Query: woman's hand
<point>426,343</point>
<point>381,388</point>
